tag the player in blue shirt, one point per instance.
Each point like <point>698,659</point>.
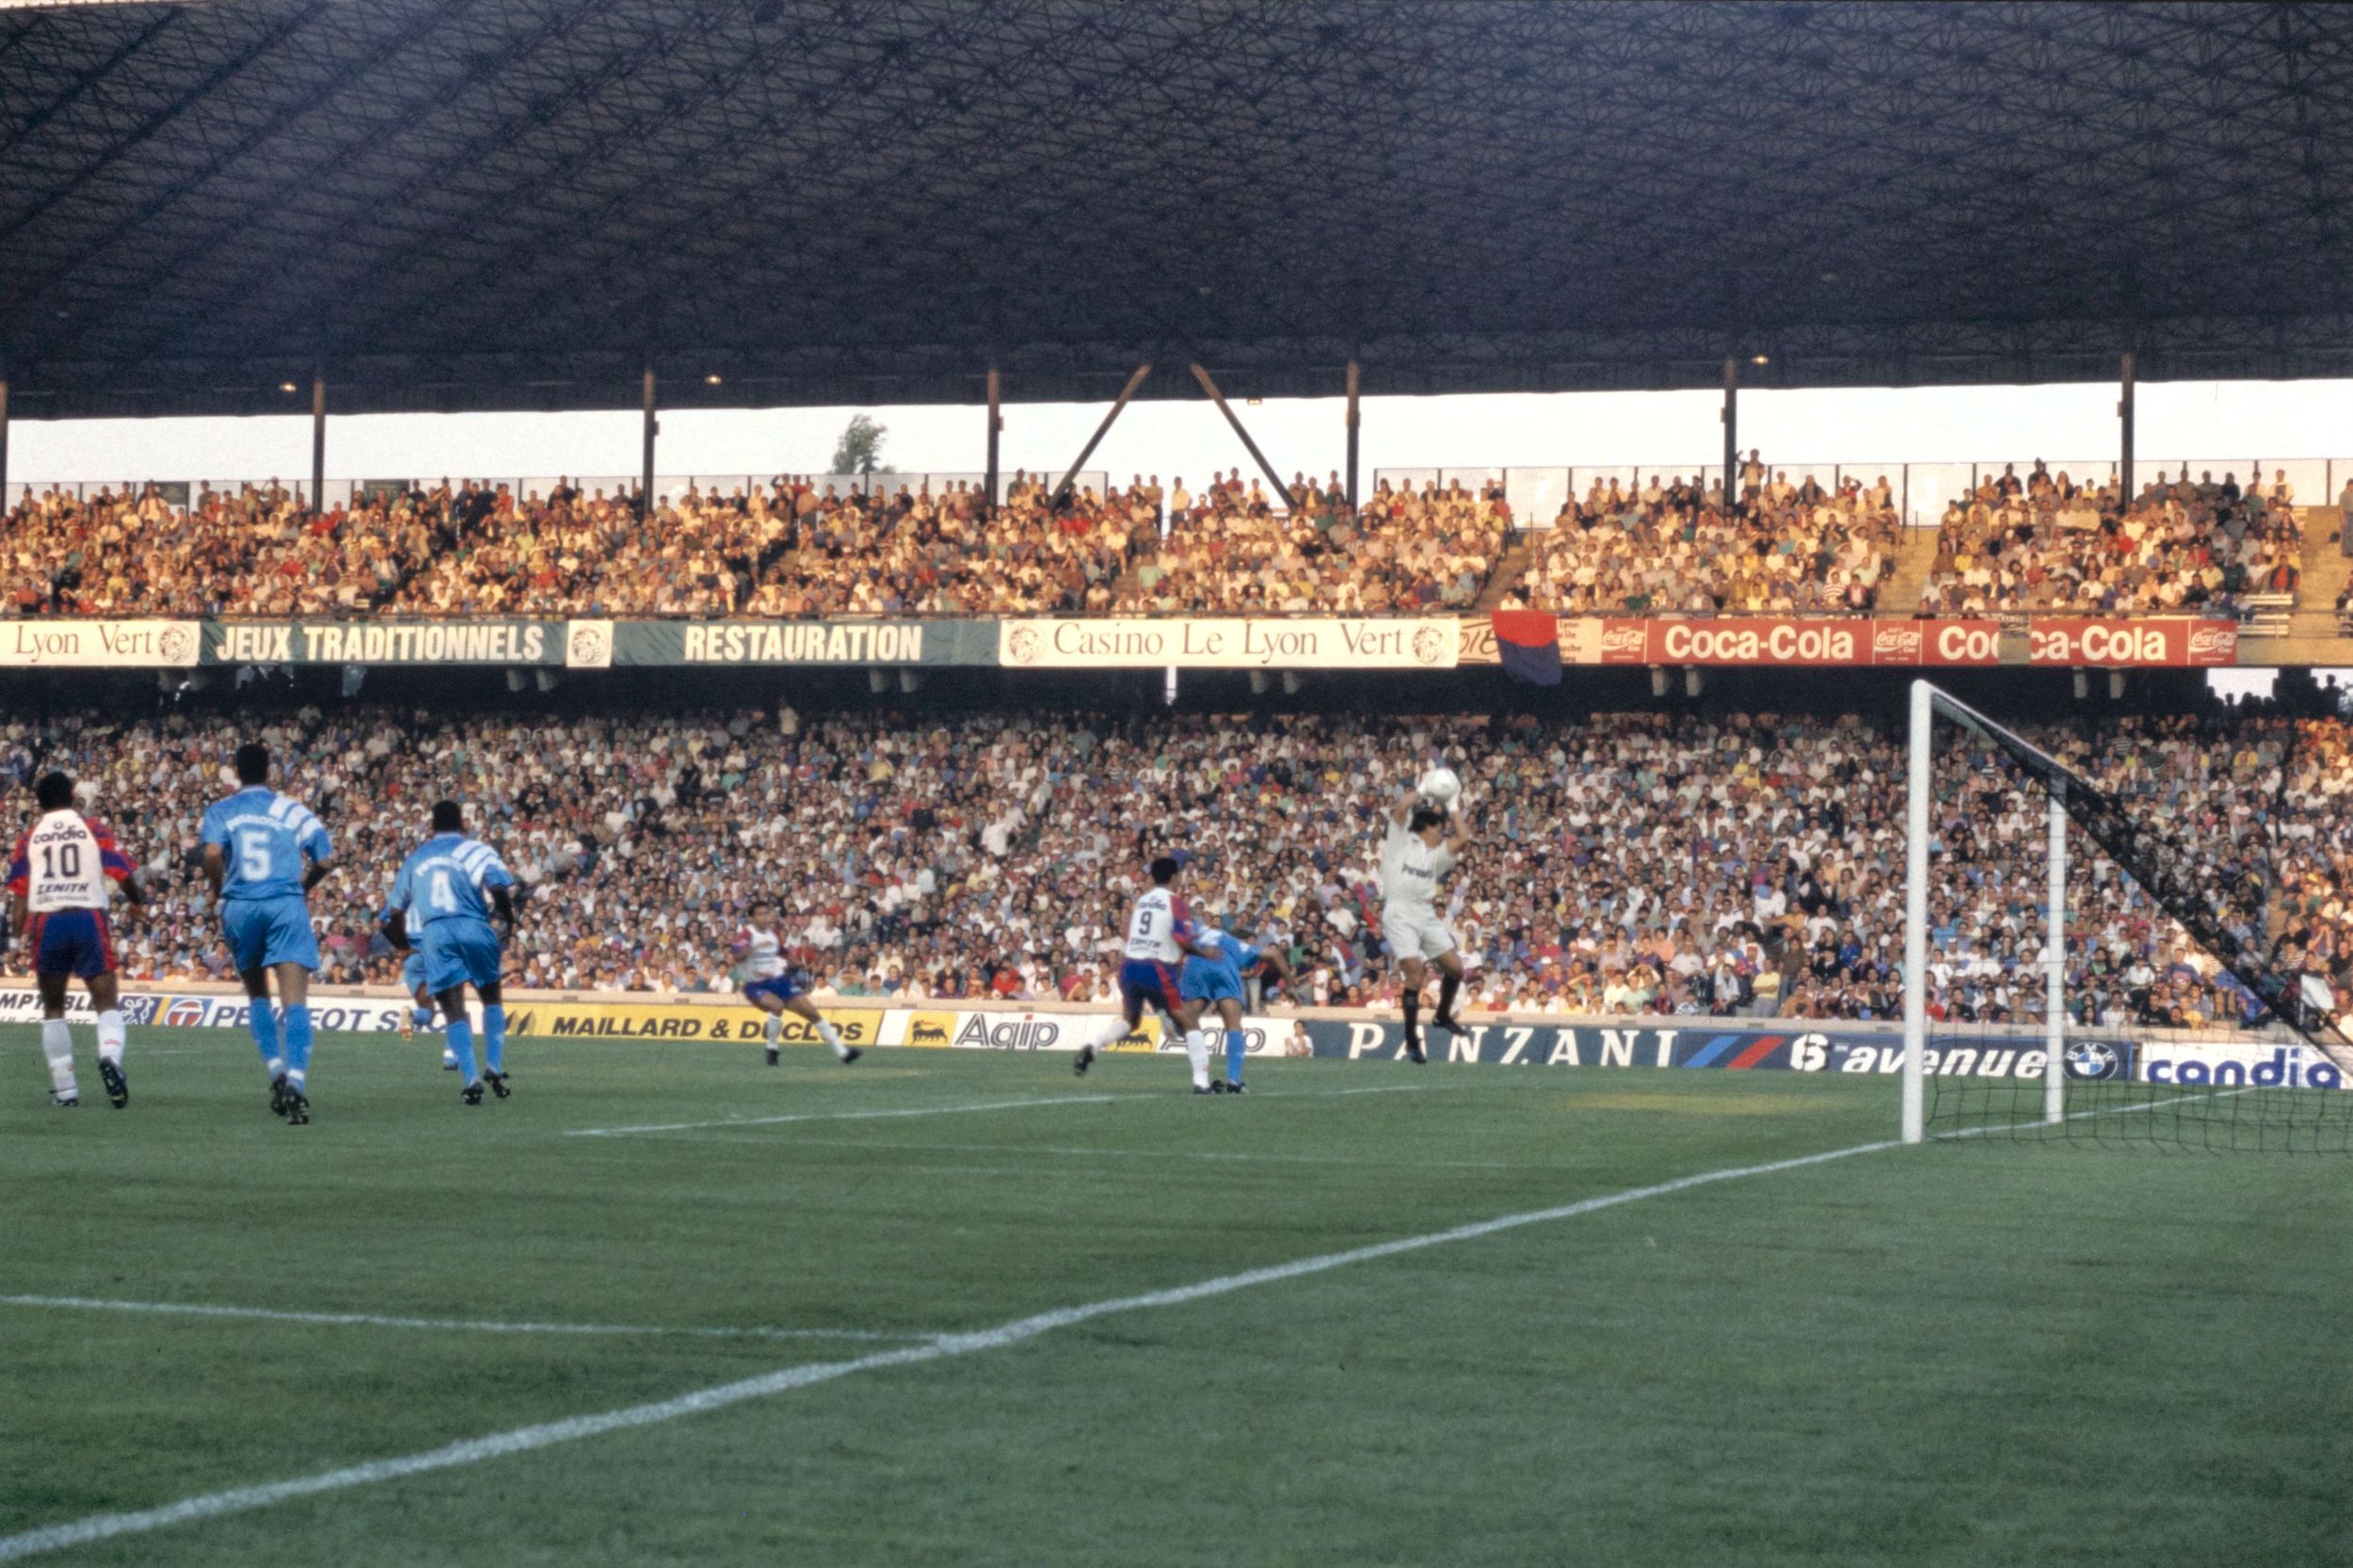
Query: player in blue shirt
<point>449,886</point>
<point>255,845</point>
<point>1213,978</point>
<point>420,1014</point>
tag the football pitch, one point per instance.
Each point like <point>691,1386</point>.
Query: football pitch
<point>945,1308</point>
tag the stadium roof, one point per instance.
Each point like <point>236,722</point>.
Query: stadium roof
<point>498,203</point>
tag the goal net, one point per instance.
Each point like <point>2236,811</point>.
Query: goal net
<point>2132,986</point>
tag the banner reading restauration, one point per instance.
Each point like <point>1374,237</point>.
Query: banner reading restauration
<point>1276,643</point>
<point>792,642</point>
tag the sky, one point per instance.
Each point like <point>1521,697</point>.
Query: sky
<point>2220,424</point>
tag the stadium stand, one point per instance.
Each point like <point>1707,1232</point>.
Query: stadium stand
<point>2047,541</point>
<point>1405,550</point>
<point>1789,548</point>
<point>468,549</point>
<point>1631,862</point>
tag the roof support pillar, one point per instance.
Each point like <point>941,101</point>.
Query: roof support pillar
<point>653,427</point>
<point>1062,491</point>
<point>996,428</point>
<point>1731,417</point>
<point>318,440</point>
<point>1355,421</point>
<point>1252,447</point>
<point>2124,429</point>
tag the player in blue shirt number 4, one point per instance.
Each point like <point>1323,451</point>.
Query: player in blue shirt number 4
<point>449,888</point>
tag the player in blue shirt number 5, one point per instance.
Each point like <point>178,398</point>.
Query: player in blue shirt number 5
<point>255,843</point>
<point>443,887</point>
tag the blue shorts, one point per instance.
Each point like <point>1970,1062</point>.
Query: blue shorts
<point>781,986</point>
<point>75,942</point>
<point>1210,984</point>
<point>1147,982</point>
<point>459,953</point>
<point>412,970</point>
<point>267,931</point>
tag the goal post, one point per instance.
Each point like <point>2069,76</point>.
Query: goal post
<point>1926,699</point>
<point>2268,1066</point>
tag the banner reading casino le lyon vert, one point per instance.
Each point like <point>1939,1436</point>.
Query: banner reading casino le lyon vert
<point>1402,643</point>
<point>99,644</point>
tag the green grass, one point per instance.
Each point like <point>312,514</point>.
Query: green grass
<point>1959,1354</point>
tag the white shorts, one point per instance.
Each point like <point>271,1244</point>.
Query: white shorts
<point>1416,932</point>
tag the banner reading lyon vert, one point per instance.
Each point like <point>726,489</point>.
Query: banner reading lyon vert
<point>784,642</point>
<point>2175,642</point>
<point>99,643</point>
<point>1281,643</point>
<point>358,642</point>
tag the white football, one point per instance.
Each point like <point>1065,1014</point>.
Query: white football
<point>1441,785</point>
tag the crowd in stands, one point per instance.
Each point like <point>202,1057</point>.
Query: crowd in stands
<point>1623,863</point>
<point>1233,551</point>
<point>2047,541</point>
<point>799,547</point>
<point>1674,546</point>
<point>792,549</point>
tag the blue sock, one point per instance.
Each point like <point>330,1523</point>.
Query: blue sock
<point>461,1041</point>
<point>421,1016</point>
<point>265,1026</point>
<point>1237,1047</point>
<point>494,1036</point>
<point>297,1044</point>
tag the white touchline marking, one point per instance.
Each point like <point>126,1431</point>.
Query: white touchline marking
<point>469,1325</point>
<point>836,1116</point>
<point>732,1121</point>
<point>473,1450</point>
<point>1145,1154</point>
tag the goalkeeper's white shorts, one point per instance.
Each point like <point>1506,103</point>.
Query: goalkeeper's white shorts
<point>1416,932</point>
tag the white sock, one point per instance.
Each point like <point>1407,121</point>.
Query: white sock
<point>1112,1033</point>
<point>774,1028</point>
<point>56,1042</point>
<point>110,1041</point>
<point>1197,1052</point>
<point>832,1036</point>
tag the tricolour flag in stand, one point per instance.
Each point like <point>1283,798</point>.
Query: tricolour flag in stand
<point>1529,644</point>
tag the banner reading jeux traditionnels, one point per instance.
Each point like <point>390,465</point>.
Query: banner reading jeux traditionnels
<point>527,643</point>
<point>1276,643</point>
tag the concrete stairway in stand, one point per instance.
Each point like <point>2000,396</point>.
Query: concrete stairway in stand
<point>1899,590</point>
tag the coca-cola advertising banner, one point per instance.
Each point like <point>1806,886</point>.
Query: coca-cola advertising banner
<point>2174,643</point>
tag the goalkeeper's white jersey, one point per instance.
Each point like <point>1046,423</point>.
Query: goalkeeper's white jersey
<point>1410,869</point>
